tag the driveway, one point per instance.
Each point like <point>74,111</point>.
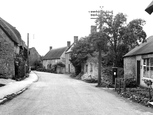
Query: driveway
<point>58,94</point>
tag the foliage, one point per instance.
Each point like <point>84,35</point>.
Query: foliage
<point>148,82</point>
<point>131,83</point>
<point>122,37</point>
<point>37,64</point>
<point>59,64</point>
<point>99,40</point>
<point>80,53</point>
<point>134,33</point>
<point>139,95</point>
<point>46,70</point>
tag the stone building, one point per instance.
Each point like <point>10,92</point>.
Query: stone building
<point>69,67</point>
<point>34,57</point>
<point>90,68</point>
<point>11,45</point>
<point>138,63</point>
<point>53,57</point>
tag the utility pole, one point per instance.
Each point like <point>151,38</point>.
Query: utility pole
<point>28,52</point>
<point>94,15</point>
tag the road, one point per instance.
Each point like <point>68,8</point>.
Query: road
<point>57,94</point>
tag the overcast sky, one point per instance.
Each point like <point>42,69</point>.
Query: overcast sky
<point>54,22</point>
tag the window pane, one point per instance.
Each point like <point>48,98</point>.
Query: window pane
<point>144,62</point>
<point>146,71</point>
<point>151,72</point>
<point>148,62</point>
<point>151,61</point>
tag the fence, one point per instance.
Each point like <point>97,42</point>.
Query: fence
<point>120,84</point>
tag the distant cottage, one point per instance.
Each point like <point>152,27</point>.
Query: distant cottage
<point>53,57</point>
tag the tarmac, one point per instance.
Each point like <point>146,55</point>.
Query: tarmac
<point>13,88</point>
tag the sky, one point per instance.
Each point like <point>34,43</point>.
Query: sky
<point>54,22</point>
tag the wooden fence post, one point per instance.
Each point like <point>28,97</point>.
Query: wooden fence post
<point>115,83</point>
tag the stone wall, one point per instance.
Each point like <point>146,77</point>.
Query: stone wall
<point>69,68</point>
<point>129,67</point>
<point>7,69</point>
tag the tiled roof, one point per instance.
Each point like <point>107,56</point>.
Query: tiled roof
<point>144,48</point>
<point>69,50</point>
<point>11,31</point>
<point>149,9</point>
<point>54,53</point>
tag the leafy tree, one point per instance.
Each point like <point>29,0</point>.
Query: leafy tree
<point>99,40</point>
<point>80,53</point>
<point>121,35</point>
<point>134,33</point>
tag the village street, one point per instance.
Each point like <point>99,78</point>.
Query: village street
<point>58,94</point>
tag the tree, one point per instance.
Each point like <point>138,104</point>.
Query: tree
<point>121,35</point>
<point>134,33</point>
<point>99,40</point>
<point>80,53</point>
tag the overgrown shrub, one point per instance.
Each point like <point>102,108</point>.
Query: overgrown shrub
<point>131,83</point>
<point>46,70</point>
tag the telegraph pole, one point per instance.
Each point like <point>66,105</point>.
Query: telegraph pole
<point>28,52</point>
<point>94,15</point>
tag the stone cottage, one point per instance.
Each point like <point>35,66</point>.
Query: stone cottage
<point>34,57</point>
<point>53,57</point>
<point>11,45</point>
<point>69,67</point>
<point>138,63</point>
<point>90,68</point>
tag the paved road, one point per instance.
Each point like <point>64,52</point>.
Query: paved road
<point>57,94</point>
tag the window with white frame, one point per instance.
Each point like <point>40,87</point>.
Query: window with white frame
<point>148,68</point>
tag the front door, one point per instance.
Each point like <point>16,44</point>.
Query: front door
<point>138,72</point>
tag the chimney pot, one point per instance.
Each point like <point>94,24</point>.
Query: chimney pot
<point>75,39</point>
<point>93,29</point>
<point>68,44</point>
<point>50,47</point>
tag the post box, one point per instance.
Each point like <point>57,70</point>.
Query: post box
<point>114,74</point>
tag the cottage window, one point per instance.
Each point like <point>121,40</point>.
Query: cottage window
<point>148,68</point>
<point>91,68</point>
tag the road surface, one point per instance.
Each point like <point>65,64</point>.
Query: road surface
<point>57,94</point>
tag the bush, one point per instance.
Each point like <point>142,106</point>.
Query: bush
<point>46,70</point>
<point>131,83</point>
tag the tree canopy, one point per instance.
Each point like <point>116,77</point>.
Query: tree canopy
<point>80,52</point>
<point>120,35</point>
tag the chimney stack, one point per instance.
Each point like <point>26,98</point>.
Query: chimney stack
<point>75,39</point>
<point>93,29</point>
<point>68,44</point>
<point>50,47</point>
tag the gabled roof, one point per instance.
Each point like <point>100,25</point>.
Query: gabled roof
<point>54,53</point>
<point>11,31</point>
<point>149,9</point>
<point>33,49</point>
<point>144,48</point>
<point>69,49</point>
